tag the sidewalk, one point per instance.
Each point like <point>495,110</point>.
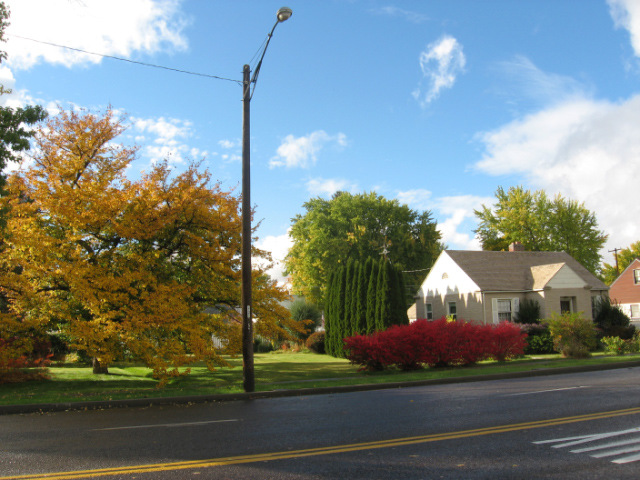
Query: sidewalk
<point>147,402</point>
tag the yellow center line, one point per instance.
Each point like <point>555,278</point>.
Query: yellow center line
<point>354,447</point>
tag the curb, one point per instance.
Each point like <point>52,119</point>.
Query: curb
<point>242,396</point>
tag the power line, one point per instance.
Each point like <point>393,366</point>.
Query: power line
<point>187,72</point>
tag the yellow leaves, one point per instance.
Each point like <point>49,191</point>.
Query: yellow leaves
<point>126,268</point>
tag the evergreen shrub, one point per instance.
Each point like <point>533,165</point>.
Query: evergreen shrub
<point>528,312</point>
<point>611,320</point>
<point>539,341</point>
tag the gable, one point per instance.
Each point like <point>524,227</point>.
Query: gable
<point>624,289</point>
<point>446,278</point>
<point>565,278</point>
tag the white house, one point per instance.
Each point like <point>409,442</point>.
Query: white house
<point>487,287</point>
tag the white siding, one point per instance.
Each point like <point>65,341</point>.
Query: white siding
<point>565,278</point>
<point>456,281</point>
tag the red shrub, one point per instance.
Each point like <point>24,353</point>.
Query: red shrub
<point>506,341</point>
<point>14,362</point>
<point>436,343</point>
<point>368,351</point>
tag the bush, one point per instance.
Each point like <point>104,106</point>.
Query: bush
<point>505,341</point>
<point>611,319</point>
<point>262,345</point>
<point>528,313</point>
<point>367,351</point>
<point>620,346</point>
<point>310,314</point>
<point>539,341</point>
<point>315,342</point>
<point>23,359</point>
<point>438,343</point>
<point>614,345</point>
<point>573,335</point>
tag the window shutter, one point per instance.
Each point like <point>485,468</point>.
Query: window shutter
<point>494,309</point>
<point>515,307</point>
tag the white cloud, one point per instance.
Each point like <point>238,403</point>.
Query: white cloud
<point>413,17</point>
<point>529,81</point>
<point>169,137</point>
<point>441,63</point>
<point>228,144</point>
<point>116,27</point>
<point>327,187</point>
<point>455,215</point>
<point>626,14</point>
<point>586,150</point>
<point>278,246</point>
<point>302,151</point>
<point>417,199</point>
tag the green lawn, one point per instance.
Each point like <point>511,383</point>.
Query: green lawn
<point>273,371</point>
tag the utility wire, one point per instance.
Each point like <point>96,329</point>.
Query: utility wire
<point>239,82</point>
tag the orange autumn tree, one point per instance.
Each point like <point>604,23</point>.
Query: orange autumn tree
<point>126,268</point>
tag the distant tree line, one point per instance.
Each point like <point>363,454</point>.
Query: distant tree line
<point>362,297</point>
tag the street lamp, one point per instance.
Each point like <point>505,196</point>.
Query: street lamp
<point>247,323</point>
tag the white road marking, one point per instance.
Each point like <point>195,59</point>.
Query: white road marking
<point>603,450</point>
<point>619,451</point>
<point>607,445</point>
<point>546,391</point>
<point>627,459</point>
<point>165,425</point>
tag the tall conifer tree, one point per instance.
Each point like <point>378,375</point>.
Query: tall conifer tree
<point>372,296</point>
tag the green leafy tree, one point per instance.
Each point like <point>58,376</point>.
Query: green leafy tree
<point>624,259</point>
<point>541,224</point>
<point>15,123</point>
<point>357,227</point>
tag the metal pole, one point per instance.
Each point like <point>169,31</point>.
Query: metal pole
<point>247,322</point>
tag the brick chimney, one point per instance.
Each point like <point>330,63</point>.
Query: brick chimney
<point>516,247</point>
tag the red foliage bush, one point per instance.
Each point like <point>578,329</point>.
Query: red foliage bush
<point>368,351</point>
<point>506,341</point>
<point>436,343</point>
<point>16,366</point>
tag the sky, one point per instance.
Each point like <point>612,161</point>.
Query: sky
<point>434,103</point>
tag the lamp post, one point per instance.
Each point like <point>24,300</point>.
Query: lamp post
<point>247,322</point>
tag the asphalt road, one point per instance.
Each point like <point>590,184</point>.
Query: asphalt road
<point>578,426</point>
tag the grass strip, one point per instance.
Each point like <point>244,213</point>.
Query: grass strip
<point>274,371</point>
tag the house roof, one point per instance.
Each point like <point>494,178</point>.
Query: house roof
<point>633,265</point>
<point>518,271</point>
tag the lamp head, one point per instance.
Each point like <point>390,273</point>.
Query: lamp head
<point>284,13</point>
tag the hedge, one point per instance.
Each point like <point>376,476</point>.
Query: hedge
<point>436,343</point>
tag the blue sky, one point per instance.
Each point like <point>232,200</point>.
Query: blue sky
<point>435,103</point>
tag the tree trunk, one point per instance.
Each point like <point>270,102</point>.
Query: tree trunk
<point>98,367</point>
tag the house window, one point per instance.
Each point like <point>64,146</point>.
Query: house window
<point>566,304</point>
<point>451,310</point>
<point>429,311</point>
<point>636,277</point>
<point>635,311</point>
<point>445,276</point>
<point>595,304</point>
<point>504,310</point>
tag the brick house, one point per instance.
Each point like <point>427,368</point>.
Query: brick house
<point>625,290</point>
